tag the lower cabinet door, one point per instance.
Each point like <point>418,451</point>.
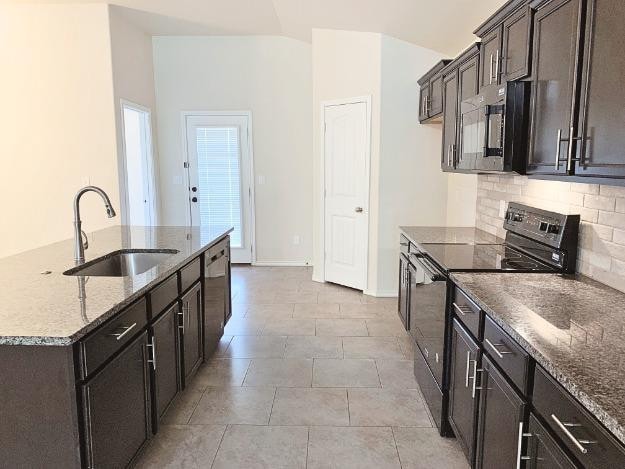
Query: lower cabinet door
<point>462,392</point>
<point>165,359</point>
<point>542,451</point>
<point>116,408</point>
<point>215,300</point>
<point>500,414</point>
<point>191,327</point>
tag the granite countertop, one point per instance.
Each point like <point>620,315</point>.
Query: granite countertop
<point>40,308</point>
<point>448,234</point>
<point>573,326</point>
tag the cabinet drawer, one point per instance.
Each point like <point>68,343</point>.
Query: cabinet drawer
<point>108,339</point>
<point>579,430</point>
<point>506,353</point>
<point>467,312</point>
<point>190,274</point>
<point>163,295</point>
<point>429,388</point>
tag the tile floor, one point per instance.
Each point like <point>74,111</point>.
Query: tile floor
<point>307,375</point>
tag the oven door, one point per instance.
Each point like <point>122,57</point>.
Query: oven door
<point>428,294</point>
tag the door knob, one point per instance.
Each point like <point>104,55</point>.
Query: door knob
<point>358,209</point>
<point>194,199</point>
<point>194,189</point>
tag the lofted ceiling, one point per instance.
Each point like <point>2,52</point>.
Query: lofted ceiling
<point>442,25</point>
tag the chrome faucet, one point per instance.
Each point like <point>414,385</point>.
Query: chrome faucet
<point>79,246</point>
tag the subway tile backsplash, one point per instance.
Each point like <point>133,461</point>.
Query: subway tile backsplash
<point>602,210</point>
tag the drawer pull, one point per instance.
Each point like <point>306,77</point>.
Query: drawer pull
<point>519,457</point>
<point>126,330</point>
<point>474,378</point>
<point>579,444</point>
<point>494,347</point>
<point>463,310</point>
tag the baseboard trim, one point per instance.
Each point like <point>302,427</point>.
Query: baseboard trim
<point>280,264</point>
<point>381,294</point>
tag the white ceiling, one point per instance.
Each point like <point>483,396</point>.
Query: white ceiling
<point>442,25</point>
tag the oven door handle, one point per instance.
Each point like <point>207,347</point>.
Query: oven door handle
<point>433,273</point>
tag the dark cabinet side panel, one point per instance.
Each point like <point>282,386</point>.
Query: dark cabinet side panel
<point>603,95</point>
<point>435,106</point>
<point>555,53</point>
<point>450,120</point>
<point>424,96</point>
<point>192,330</point>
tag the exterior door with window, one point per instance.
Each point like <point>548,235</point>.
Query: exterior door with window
<point>219,163</point>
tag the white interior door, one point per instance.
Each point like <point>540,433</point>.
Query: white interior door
<point>346,167</point>
<point>219,162</point>
<point>139,188</point>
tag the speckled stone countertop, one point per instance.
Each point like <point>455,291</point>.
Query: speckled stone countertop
<point>47,309</point>
<point>572,326</point>
<point>448,234</point>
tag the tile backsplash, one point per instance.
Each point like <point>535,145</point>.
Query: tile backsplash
<point>602,208</point>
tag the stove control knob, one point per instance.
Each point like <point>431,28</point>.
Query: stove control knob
<point>543,226</point>
<point>555,229</point>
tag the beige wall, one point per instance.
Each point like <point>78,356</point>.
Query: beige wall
<point>601,252</point>
<point>270,76</point>
<point>412,189</point>
<point>133,77</point>
<point>57,129</point>
<point>461,198</point>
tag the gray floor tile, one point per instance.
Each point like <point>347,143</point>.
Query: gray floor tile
<point>387,327</point>
<point>316,311</point>
<point>372,347</point>
<point>222,346</point>
<point>183,446</point>
<point>310,406</point>
<point>266,447</point>
<point>345,373</point>
<point>220,372</point>
<point>279,372</point>
<point>387,407</point>
<point>407,345</point>
<point>397,374</point>
<point>341,327</point>
<point>233,405</point>
<point>284,326</point>
<point>256,347</point>
<point>183,405</point>
<point>244,326</point>
<point>361,448</point>
<point>365,311</point>
<point>421,448</point>
<point>314,347</point>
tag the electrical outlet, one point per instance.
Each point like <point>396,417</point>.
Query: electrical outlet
<point>296,240</point>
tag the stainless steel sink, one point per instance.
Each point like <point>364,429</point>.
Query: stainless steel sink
<point>122,263</point>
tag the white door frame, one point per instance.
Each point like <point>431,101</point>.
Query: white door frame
<point>184,115</point>
<point>123,189</point>
<point>339,102</point>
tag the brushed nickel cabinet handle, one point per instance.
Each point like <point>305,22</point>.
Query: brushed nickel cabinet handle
<point>497,66</point>
<point>152,345</point>
<point>490,76</point>
<point>466,373</point>
<point>181,316</point>
<point>127,329</point>
<point>519,457</point>
<point>564,426</point>
<point>494,347</point>
<point>559,141</point>
<point>463,310</point>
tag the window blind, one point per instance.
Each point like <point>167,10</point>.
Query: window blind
<point>219,171</point>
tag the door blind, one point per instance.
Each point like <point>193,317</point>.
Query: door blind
<point>219,174</point>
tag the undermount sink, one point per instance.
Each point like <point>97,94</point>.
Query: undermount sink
<point>122,263</point>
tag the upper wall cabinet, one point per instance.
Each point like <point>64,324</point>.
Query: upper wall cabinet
<point>505,47</point>
<point>557,41</point>
<point>600,138</point>
<point>431,94</point>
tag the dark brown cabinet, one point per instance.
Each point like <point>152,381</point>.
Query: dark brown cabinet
<point>543,452</point>
<point>602,110</point>
<point>515,56</point>
<point>462,390</point>
<point>431,93</point>
<point>490,58</point>
<point>436,96</point>
<point>164,360</point>
<point>468,80</point>
<point>191,329</point>
<point>116,408</point>
<point>500,416</point>
<point>556,42</point>
<point>450,120</point>
<point>424,98</point>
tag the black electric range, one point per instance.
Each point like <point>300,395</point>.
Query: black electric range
<point>536,241</point>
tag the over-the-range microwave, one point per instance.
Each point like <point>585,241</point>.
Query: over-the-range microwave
<point>494,129</point>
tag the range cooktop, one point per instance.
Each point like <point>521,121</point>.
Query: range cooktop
<point>483,258</point>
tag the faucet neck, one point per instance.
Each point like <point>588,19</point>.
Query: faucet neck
<point>79,247</point>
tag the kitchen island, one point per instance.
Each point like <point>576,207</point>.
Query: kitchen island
<point>90,363</point>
